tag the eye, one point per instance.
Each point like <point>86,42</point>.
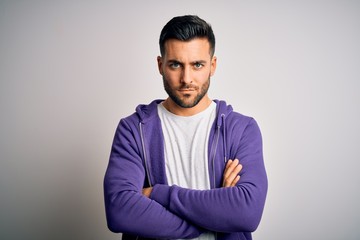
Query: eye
<point>198,65</point>
<point>174,65</point>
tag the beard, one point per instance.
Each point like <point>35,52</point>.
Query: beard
<point>186,101</point>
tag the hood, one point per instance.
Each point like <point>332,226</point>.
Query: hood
<point>147,111</point>
<point>223,111</point>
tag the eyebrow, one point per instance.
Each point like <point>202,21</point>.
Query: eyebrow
<point>193,62</point>
<point>200,61</point>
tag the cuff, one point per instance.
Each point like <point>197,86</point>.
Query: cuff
<point>161,194</point>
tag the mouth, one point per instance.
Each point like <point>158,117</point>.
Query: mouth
<point>186,89</point>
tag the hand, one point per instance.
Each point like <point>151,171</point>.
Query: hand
<point>231,173</point>
<point>147,191</point>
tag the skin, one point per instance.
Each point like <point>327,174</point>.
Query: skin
<point>231,173</point>
<point>186,68</point>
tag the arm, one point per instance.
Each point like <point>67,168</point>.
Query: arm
<point>230,179</point>
<point>127,210</point>
<point>234,209</point>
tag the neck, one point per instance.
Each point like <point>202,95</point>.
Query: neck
<point>172,107</point>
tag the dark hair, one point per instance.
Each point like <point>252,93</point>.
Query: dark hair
<point>186,28</point>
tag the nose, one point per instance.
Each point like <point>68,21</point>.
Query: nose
<point>186,76</point>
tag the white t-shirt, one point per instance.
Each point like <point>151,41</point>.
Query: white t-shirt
<point>186,149</point>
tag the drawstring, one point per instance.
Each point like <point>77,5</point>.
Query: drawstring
<point>224,137</point>
<point>213,148</point>
<point>215,143</point>
<point>144,152</point>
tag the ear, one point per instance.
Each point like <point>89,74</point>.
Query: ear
<point>160,63</point>
<point>213,65</point>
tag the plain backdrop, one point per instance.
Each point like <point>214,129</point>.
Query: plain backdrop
<point>69,70</point>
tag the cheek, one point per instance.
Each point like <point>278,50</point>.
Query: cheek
<point>171,76</point>
<point>202,76</point>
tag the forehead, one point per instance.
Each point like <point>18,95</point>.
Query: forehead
<point>197,48</point>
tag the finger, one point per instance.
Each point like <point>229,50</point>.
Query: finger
<point>236,180</point>
<point>230,166</point>
<point>232,176</point>
<point>237,169</point>
<point>232,172</point>
<point>228,163</point>
<point>228,176</point>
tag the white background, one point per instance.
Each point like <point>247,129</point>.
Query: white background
<point>69,70</point>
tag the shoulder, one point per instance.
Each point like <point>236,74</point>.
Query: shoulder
<point>239,123</point>
<point>145,114</point>
<point>239,118</point>
<point>236,123</point>
<point>232,119</point>
<point>226,111</point>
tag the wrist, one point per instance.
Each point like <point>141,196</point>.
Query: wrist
<point>161,194</point>
<point>147,191</point>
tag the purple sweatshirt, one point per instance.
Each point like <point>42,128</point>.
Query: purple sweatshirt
<point>171,212</point>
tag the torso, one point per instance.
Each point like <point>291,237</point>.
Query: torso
<point>186,149</point>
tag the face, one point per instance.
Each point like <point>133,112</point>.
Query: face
<point>186,68</point>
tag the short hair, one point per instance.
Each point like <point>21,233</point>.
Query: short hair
<point>186,28</point>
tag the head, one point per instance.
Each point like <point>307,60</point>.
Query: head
<point>187,61</point>
<point>186,28</point>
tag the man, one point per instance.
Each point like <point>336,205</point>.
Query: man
<point>186,167</point>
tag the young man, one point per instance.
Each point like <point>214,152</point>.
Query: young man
<point>186,167</point>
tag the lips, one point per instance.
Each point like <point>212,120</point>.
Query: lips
<point>187,88</point>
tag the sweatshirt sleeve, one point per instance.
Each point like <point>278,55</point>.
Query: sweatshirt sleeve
<point>127,210</point>
<point>231,209</point>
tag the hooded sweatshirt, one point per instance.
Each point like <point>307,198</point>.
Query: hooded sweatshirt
<point>171,212</point>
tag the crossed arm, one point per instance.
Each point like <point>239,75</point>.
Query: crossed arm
<point>164,211</point>
<point>230,178</point>
<point>171,225</point>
